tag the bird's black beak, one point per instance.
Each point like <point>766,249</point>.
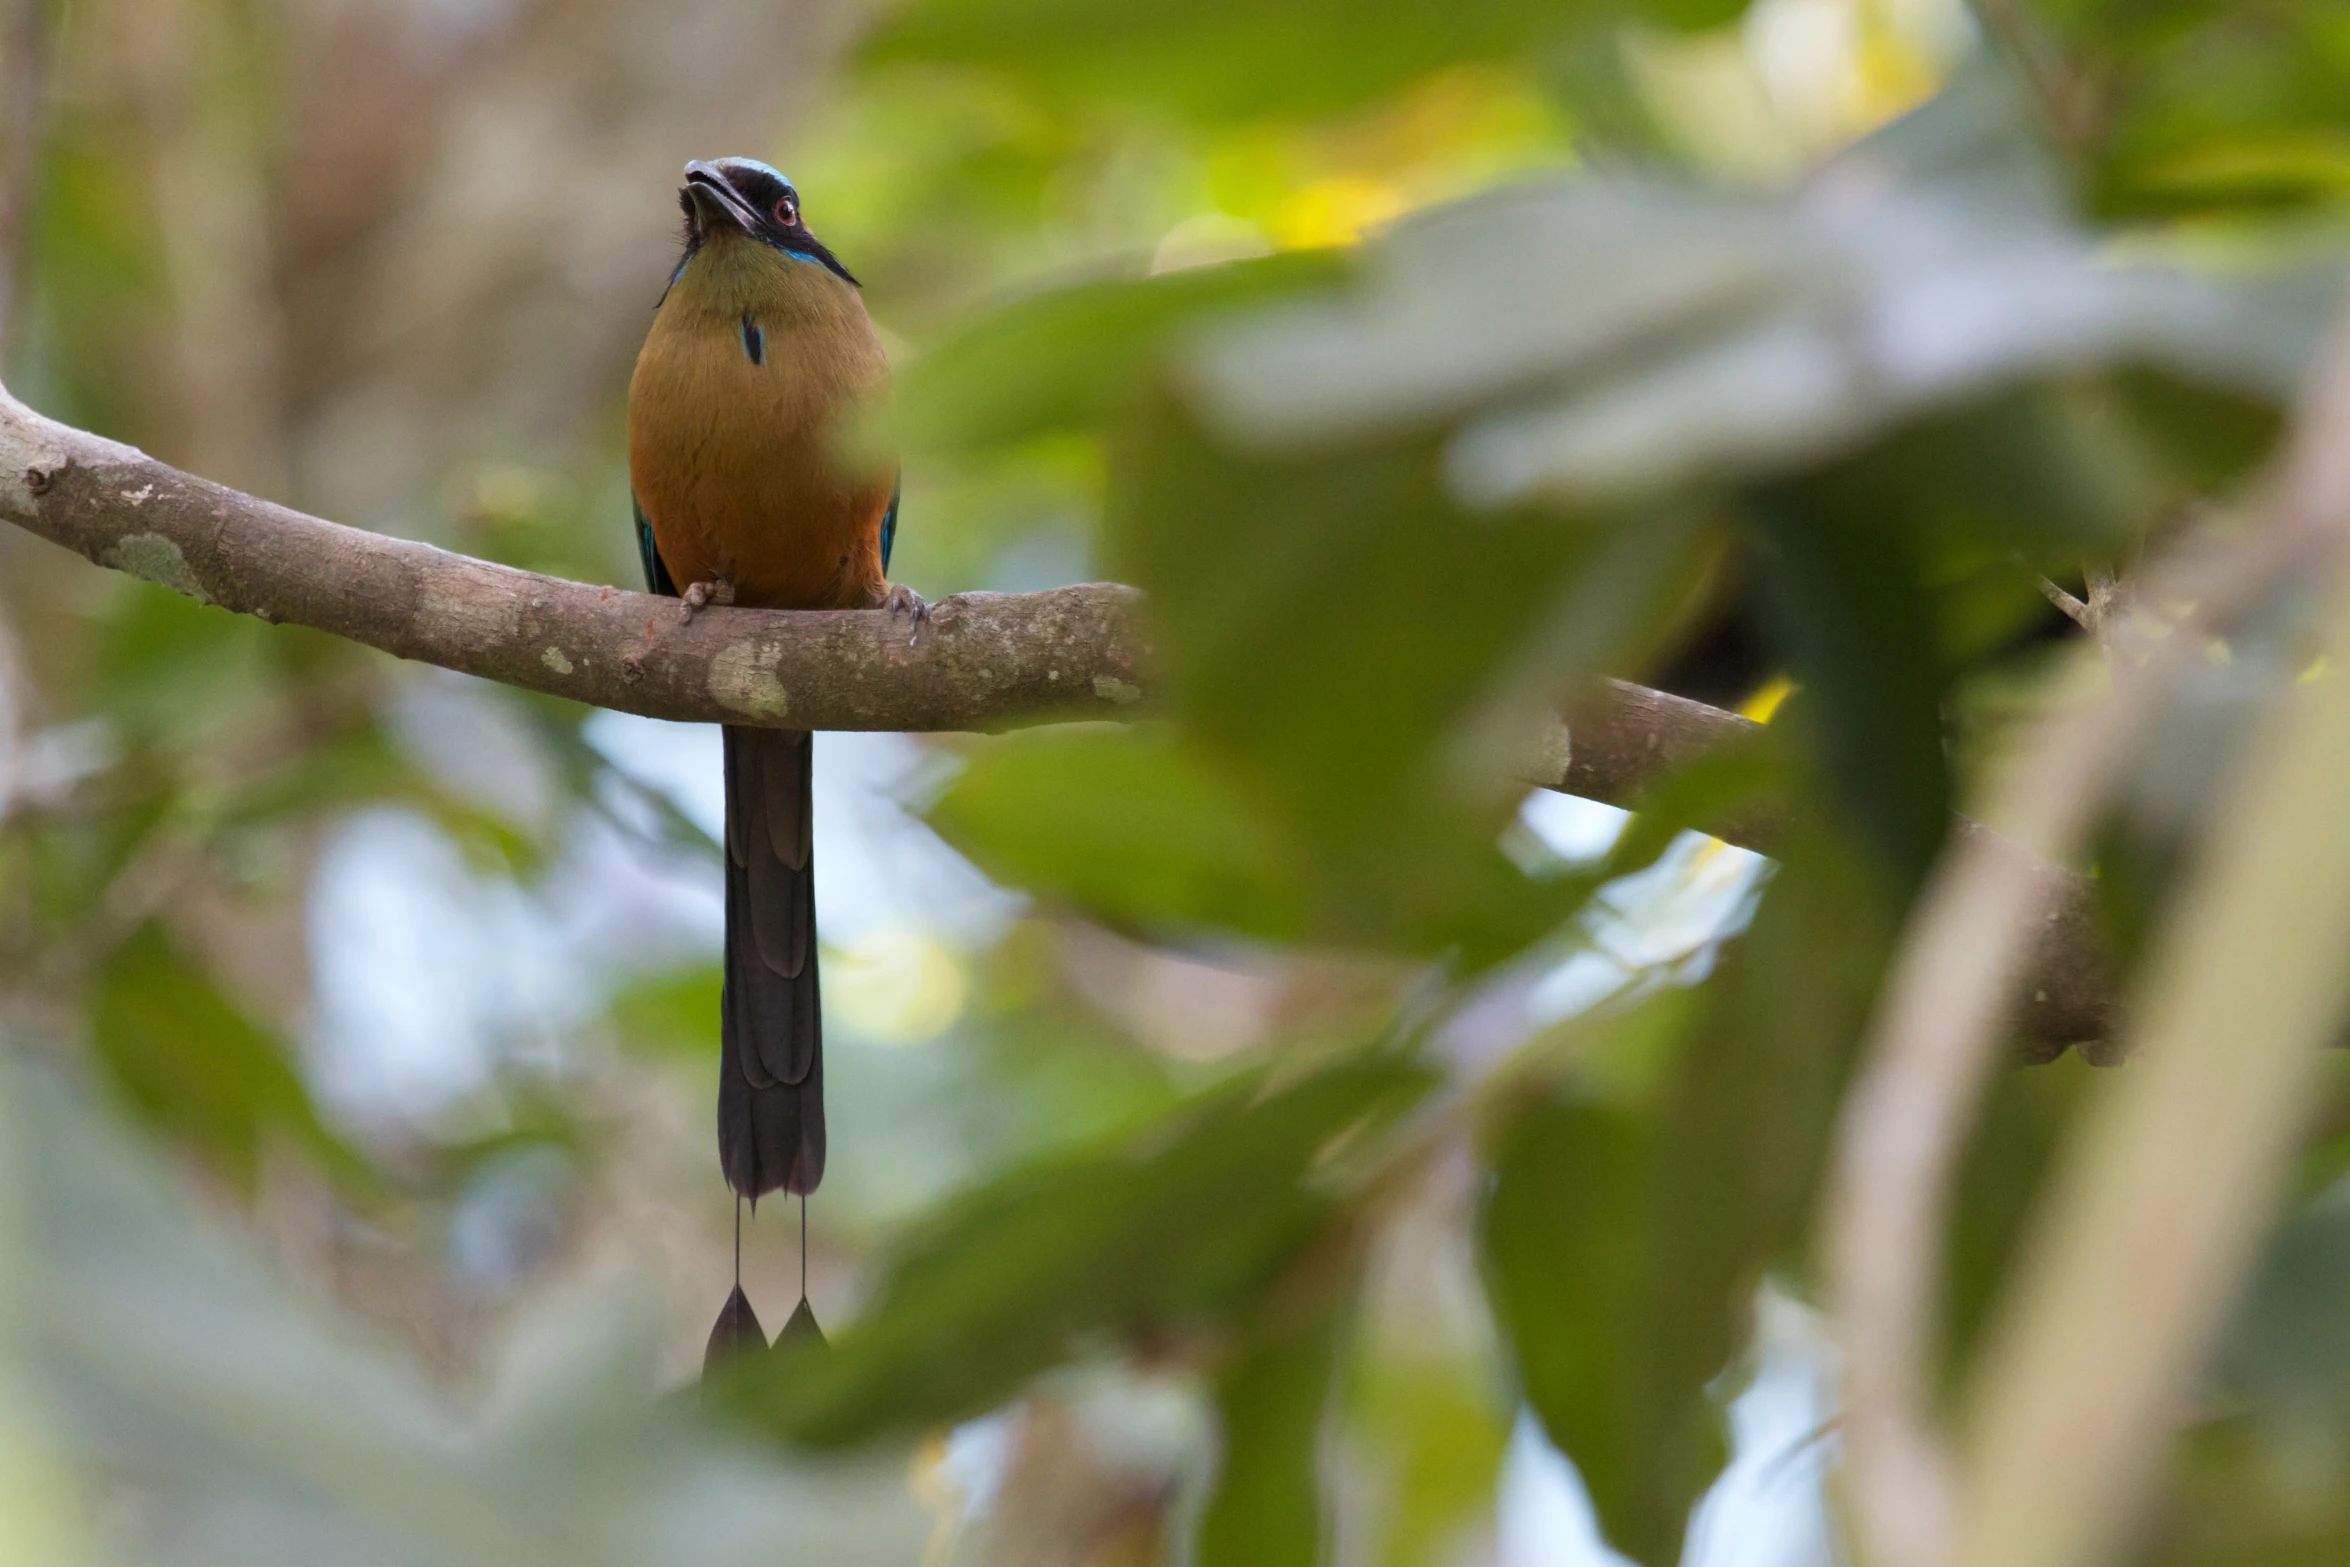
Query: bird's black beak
<point>710,200</point>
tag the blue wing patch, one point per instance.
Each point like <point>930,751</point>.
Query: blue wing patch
<point>657,578</point>
<point>889,524</point>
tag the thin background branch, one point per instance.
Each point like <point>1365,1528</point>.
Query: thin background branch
<point>24,103</point>
<point>2065,97</point>
<point>1938,1023</point>
<point>2160,1204</point>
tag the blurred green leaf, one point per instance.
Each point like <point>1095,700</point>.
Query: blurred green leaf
<point>69,871</point>
<point>1752,1096</point>
<point>1434,1431</point>
<point>1596,341</point>
<point>1328,625</point>
<point>1990,610</point>
<point>2255,1483</point>
<point>1999,1176</point>
<point>1074,358</point>
<point>182,671</point>
<point>2208,438</point>
<point>2049,465</point>
<point>2213,109</point>
<point>265,1430</point>
<point>360,766</point>
<point>1130,825</point>
<point>1273,1404</point>
<point>672,1012</point>
<point>1844,604</point>
<point>103,282</point>
<point>1139,831</point>
<point>1625,1236</point>
<point>197,1068</point>
<point>2243,1492</point>
<point>1173,1225</point>
<point>1226,59</point>
<point>1564,1238</point>
<point>1500,910</point>
<point>338,770</point>
<point>2286,1347</point>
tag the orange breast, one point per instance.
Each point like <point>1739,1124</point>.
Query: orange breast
<point>749,472</point>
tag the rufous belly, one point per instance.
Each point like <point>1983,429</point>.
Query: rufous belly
<point>748,471</point>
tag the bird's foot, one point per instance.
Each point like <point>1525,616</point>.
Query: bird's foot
<point>903,603</point>
<point>716,591</point>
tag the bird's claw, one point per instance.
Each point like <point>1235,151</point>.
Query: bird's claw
<point>719,591</point>
<point>903,602</point>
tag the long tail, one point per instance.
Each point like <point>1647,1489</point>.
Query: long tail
<point>771,1023</point>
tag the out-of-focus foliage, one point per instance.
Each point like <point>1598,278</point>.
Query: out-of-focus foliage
<point>1273,1398</point>
<point>1292,1111</point>
<point>2210,111</point>
<point>181,1052</point>
<point>1220,60</point>
<point>1135,1240</point>
<point>255,1431</point>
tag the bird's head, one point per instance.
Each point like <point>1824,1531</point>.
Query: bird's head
<point>742,197</point>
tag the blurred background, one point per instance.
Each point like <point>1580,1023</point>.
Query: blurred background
<point>360,1017</point>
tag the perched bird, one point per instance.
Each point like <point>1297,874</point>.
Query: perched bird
<point>751,489</point>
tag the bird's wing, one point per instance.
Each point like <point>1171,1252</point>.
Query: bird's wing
<point>657,578</point>
<point>889,524</point>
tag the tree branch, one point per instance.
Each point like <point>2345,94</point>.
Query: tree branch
<point>986,661</point>
<point>1629,736</point>
<point>983,661</point>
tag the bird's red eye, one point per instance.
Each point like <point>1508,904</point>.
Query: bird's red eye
<point>787,211</point>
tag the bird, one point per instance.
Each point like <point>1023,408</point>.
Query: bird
<point>755,483</point>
